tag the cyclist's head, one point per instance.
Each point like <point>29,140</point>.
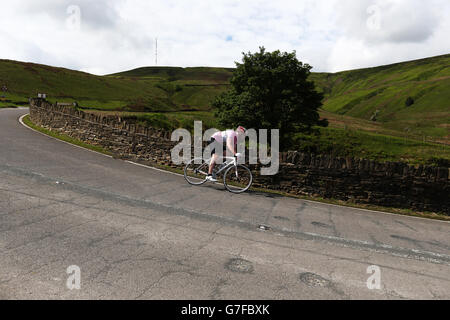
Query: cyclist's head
<point>241,129</point>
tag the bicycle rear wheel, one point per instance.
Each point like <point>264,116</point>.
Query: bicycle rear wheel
<point>195,174</point>
<point>238,179</point>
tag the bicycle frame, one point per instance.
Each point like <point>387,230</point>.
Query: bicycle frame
<point>226,164</point>
<point>230,161</point>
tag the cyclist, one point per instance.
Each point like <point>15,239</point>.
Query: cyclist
<point>228,139</point>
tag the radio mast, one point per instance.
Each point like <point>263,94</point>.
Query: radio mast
<point>156,52</point>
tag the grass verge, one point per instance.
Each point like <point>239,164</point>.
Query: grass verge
<point>400,211</point>
<point>64,137</point>
<point>5,105</point>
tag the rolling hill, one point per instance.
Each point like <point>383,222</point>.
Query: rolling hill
<point>382,92</point>
<point>145,89</point>
<point>370,100</point>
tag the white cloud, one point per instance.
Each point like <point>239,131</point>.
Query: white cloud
<point>117,35</point>
<point>382,32</point>
<point>393,21</point>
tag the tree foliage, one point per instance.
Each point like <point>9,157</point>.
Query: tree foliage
<point>271,90</point>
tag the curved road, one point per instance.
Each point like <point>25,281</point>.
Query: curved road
<point>140,233</point>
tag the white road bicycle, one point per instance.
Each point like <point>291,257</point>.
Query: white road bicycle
<point>237,178</point>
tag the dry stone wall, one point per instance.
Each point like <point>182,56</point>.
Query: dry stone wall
<point>391,184</point>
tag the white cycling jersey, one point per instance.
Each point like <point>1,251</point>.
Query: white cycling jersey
<point>222,136</point>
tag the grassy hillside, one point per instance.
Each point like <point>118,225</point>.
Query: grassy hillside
<point>371,99</point>
<point>187,88</point>
<point>358,94</point>
<point>383,91</point>
<point>144,89</point>
<point>198,75</point>
<point>173,97</point>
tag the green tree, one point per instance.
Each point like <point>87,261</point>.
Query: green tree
<point>271,90</point>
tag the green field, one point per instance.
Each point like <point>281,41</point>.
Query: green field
<point>361,93</point>
<point>167,120</point>
<point>170,97</point>
<point>155,89</point>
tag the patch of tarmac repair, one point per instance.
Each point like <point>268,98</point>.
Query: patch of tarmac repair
<point>239,265</point>
<point>281,218</point>
<point>314,280</point>
<point>320,224</point>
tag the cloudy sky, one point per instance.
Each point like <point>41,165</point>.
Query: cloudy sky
<point>106,36</point>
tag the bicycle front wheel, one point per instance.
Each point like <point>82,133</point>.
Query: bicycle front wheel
<point>238,179</point>
<point>195,174</point>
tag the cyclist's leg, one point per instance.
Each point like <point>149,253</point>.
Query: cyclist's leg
<point>211,176</point>
<point>212,163</point>
<point>214,157</point>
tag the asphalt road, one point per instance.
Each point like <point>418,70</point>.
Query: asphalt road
<point>140,233</point>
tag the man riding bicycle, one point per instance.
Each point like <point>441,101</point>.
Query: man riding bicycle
<point>228,139</point>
